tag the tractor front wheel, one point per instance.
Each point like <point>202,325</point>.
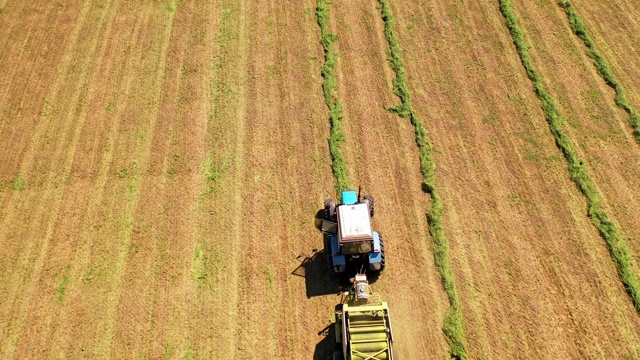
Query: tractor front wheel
<point>330,210</point>
<point>368,199</point>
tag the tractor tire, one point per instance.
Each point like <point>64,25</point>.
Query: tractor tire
<point>337,355</point>
<point>369,200</point>
<point>383,262</point>
<point>327,249</point>
<point>330,210</point>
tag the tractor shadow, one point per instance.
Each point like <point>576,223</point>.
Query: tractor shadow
<point>314,269</point>
<point>325,348</point>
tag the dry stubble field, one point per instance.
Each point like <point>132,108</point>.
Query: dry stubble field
<point>163,161</point>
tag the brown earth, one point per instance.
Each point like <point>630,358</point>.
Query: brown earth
<point>163,162</point>
<point>535,277</point>
<point>600,129</point>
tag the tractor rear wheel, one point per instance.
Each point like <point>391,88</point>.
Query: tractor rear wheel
<point>327,249</point>
<point>383,262</point>
<point>368,199</point>
<point>337,355</point>
<point>330,209</point>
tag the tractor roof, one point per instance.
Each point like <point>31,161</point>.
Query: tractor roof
<point>354,223</point>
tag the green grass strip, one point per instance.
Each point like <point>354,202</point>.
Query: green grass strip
<point>453,324</point>
<point>578,27</point>
<point>618,248</point>
<point>330,89</point>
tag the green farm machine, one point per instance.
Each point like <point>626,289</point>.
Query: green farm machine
<point>362,325</point>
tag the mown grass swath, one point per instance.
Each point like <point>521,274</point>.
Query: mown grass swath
<point>453,326</point>
<point>578,27</point>
<point>330,89</point>
<point>608,230</point>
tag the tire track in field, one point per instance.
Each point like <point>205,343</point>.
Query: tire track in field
<point>118,177</point>
<point>22,124</point>
<point>217,255</point>
<point>74,314</point>
<point>239,112</point>
<point>143,158</point>
<point>276,221</point>
<point>618,248</point>
<point>54,197</point>
<point>602,66</point>
<point>453,325</point>
<point>294,203</point>
<point>66,247</point>
<point>18,51</point>
<point>20,56</point>
<point>180,147</point>
<point>200,331</point>
<point>27,85</point>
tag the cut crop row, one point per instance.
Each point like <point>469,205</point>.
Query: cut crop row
<point>579,28</point>
<point>330,90</point>
<point>618,248</point>
<point>453,324</point>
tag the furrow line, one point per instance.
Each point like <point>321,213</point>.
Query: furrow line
<point>453,323</point>
<point>602,66</point>
<point>608,230</point>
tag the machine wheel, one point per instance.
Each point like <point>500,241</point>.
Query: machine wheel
<point>383,262</point>
<point>337,355</point>
<point>330,209</point>
<point>369,200</point>
<point>327,249</point>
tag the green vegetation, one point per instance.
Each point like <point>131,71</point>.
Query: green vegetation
<point>578,27</point>
<point>212,171</point>
<point>617,246</point>
<point>171,5</point>
<point>330,89</point>
<point>199,266</point>
<point>19,183</point>
<point>453,325</point>
<point>189,353</point>
<point>62,285</point>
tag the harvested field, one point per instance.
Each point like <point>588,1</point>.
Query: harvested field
<point>518,228</point>
<point>163,163</point>
<point>615,29</point>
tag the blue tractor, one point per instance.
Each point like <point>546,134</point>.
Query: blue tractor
<point>350,242</point>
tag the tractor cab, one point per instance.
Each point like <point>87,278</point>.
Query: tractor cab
<point>350,238</point>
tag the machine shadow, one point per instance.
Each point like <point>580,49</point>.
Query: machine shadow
<point>313,269</point>
<point>325,348</point>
